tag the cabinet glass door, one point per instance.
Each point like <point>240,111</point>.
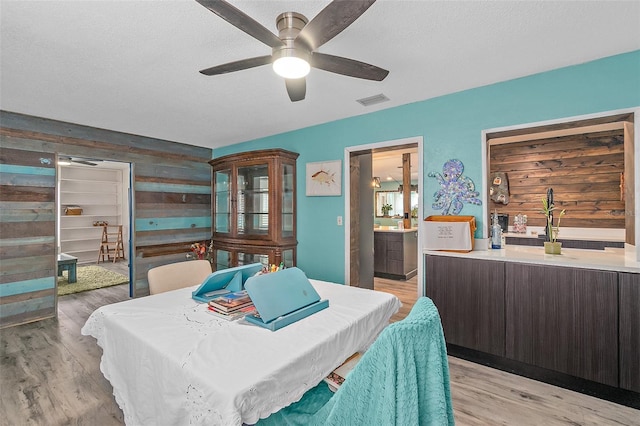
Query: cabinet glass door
<point>249,258</point>
<point>222,200</point>
<point>253,200</point>
<point>287,258</point>
<point>288,186</point>
<point>222,259</point>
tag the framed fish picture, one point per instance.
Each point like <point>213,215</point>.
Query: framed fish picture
<point>324,178</point>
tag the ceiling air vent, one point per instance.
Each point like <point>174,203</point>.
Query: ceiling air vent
<point>372,100</point>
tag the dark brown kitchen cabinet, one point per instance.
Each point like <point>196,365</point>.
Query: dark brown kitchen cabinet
<point>563,319</point>
<point>254,208</point>
<point>629,299</point>
<point>395,254</point>
<point>469,295</point>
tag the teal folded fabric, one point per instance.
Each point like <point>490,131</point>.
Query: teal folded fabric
<point>403,379</point>
<point>301,412</point>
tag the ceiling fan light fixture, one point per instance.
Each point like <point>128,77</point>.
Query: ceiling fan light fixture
<point>295,48</point>
<point>290,63</point>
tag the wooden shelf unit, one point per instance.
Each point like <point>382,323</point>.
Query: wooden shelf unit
<point>98,191</point>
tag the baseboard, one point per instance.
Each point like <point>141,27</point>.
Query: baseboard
<point>401,277</point>
<point>587,387</point>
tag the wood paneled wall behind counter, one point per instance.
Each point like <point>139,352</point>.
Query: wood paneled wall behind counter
<point>171,199</point>
<point>583,170</point>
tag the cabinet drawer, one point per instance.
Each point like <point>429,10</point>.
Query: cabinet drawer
<point>395,267</point>
<point>629,317</point>
<point>395,255</point>
<point>395,245</point>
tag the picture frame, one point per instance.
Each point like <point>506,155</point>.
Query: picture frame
<point>324,178</point>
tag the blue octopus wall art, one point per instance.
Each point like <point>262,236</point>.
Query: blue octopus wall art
<point>455,189</point>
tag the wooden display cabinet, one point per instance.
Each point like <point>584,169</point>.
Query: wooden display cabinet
<point>254,208</point>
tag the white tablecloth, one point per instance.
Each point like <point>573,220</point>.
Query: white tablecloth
<point>172,363</point>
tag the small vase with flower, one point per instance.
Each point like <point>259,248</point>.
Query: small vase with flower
<point>199,250</point>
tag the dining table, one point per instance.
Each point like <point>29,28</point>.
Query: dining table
<point>171,362</point>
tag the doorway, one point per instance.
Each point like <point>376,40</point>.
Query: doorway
<point>94,212</point>
<point>360,211</point>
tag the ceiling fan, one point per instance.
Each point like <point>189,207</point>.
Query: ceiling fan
<point>294,49</point>
<point>79,161</point>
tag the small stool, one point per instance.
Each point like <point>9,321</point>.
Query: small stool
<point>68,263</point>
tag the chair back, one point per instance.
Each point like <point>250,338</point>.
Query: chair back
<point>177,275</point>
<point>402,379</point>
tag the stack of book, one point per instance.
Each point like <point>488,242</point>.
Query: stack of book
<point>336,378</point>
<point>231,306</point>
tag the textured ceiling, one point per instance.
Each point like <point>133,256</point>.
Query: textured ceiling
<point>132,66</point>
<point>387,165</point>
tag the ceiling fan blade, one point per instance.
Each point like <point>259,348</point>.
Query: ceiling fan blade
<point>348,67</point>
<point>331,20</point>
<point>85,162</point>
<point>242,64</point>
<point>297,88</point>
<point>239,19</point>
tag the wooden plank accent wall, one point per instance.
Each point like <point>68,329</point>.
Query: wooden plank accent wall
<point>171,205</point>
<point>27,235</point>
<point>629,189</point>
<point>583,170</point>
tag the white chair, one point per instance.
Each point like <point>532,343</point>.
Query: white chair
<point>177,275</point>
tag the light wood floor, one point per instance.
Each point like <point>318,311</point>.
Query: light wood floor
<point>50,375</point>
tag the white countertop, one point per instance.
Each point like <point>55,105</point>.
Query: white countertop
<point>610,259</point>
<point>393,229</point>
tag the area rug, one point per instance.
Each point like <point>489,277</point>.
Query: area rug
<point>89,278</point>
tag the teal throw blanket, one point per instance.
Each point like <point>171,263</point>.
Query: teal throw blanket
<point>403,379</point>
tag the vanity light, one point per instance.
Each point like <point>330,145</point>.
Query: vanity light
<point>375,182</point>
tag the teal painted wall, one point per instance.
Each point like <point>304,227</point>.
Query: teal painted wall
<point>451,127</point>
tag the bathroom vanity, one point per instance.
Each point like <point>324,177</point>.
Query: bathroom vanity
<point>395,253</point>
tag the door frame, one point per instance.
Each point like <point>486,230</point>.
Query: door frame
<point>347,200</point>
<point>127,168</point>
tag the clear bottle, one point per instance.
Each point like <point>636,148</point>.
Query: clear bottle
<point>496,233</point>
